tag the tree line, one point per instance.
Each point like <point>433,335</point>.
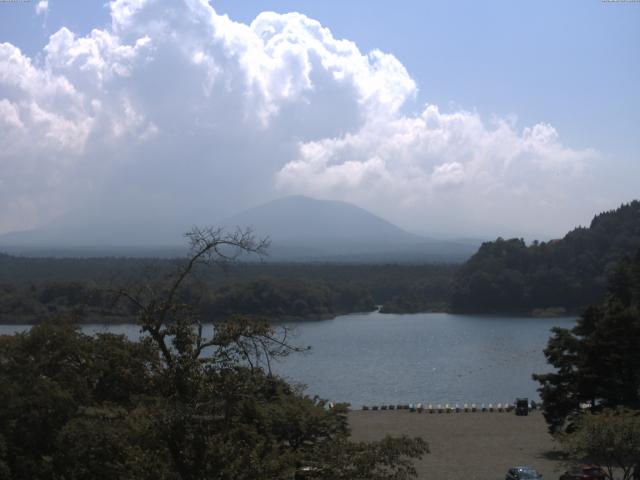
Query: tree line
<point>32,289</point>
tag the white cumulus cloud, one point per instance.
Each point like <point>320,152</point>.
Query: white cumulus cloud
<point>176,111</point>
<point>444,166</point>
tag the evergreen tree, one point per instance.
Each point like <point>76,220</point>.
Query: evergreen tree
<point>598,361</point>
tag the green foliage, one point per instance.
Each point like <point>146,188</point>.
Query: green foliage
<point>48,374</point>
<point>101,443</point>
<point>610,438</point>
<point>426,295</point>
<point>5,472</point>
<point>508,275</point>
<point>597,362</point>
<point>389,459</point>
<point>282,298</point>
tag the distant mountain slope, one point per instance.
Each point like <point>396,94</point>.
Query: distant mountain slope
<point>507,275</point>
<point>307,229</point>
<point>109,235</point>
<point>299,218</point>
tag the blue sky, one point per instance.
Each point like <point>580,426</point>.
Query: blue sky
<point>573,65</point>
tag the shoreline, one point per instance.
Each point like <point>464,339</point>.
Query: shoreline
<point>96,320</point>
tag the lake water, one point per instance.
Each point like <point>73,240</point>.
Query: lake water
<point>373,358</point>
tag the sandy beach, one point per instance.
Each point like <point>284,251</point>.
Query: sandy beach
<point>469,446</point>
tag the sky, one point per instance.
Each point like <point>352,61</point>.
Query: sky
<point>457,118</point>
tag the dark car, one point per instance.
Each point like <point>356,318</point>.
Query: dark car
<point>522,473</point>
<point>584,472</point>
<point>522,406</point>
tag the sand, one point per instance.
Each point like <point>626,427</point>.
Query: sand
<point>469,446</point>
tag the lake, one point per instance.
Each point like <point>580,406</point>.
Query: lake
<point>371,358</point>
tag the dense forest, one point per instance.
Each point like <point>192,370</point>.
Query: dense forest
<point>570,273</point>
<point>33,288</point>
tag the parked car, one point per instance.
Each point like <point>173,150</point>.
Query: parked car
<point>584,472</point>
<point>522,473</point>
<point>522,406</point>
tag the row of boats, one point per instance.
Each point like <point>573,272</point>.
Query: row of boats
<point>446,408</point>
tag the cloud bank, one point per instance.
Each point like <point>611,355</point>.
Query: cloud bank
<point>176,112</point>
<point>447,167</point>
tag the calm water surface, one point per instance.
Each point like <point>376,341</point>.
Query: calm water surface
<point>431,358</point>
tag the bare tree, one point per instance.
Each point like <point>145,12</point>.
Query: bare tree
<point>176,327</point>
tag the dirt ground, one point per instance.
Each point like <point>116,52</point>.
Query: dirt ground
<point>469,446</point>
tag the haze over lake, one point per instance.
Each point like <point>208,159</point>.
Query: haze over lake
<point>371,358</point>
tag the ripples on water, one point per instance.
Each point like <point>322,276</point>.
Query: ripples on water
<point>431,358</point>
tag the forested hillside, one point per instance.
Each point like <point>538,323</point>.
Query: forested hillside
<point>510,276</point>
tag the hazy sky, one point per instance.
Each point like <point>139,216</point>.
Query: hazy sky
<point>466,117</point>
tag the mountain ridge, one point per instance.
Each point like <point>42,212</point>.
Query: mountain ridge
<point>302,217</point>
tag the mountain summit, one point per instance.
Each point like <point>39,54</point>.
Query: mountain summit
<point>303,219</point>
<point>303,228</point>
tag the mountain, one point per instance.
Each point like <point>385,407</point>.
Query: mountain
<point>94,236</point>
<point>570,273</point>
<point>303,228</point>
<point>299,218</point>
<point>300,229</point>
